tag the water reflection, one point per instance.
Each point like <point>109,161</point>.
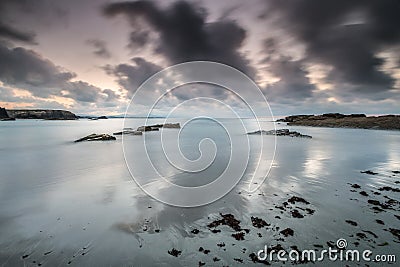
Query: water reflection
<point>62,197</point>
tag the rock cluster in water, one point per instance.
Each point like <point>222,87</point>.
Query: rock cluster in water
<point>148,128</point>
<point>281,132</point>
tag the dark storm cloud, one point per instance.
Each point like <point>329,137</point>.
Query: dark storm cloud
<point>10,32</point>
<point>293,84</point>
<point>346,35</point>
<point>184,33</point>
<point>138,38</point>
<point>27,70</point>
<point>131,77</point>
<point>100,48</point>
<point>13,34</point>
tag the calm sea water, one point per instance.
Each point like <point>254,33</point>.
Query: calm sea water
<point>76,203</point>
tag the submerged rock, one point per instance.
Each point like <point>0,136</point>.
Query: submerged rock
<point>280,132</point>
<point>96,137</point>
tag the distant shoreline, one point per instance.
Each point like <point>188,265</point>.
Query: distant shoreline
<point>337,120</point>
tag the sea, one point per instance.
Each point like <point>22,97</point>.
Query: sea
<point>131,201</point>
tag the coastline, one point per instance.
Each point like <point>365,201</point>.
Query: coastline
<point>337,120</point>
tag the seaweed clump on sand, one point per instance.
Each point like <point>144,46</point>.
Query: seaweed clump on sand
<point>174,252</point>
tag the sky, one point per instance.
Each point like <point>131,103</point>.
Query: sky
<point>306,56</point>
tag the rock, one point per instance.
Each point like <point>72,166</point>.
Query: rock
<point>287,232</point>
<point>238,236</point>
<point>44,114</point>
<point>295,199</point>
<point>172,125</point>
<point>126,132</point>
<point>383,244</point>
<point>374,202</point>
<point>174,252</point>
<point>280,132</point>
<point>205,251</point>
<point>361,235</point>
<point>258,222</point>
<point>351,222</point>
<point>369,172</point>
<point>3,114</point>
<point>96,137</point>
<point>195,231</point>
<point>7,119</point>
<point>102,118</point>
<point>297,214</point>
<point>388,188</point>
<point>395,232</point>
<point>356,186</point>
<point>363,193</point>
<point>222,244</point>
<point>227,219</point>
<point>156,127</point>
<point>147,129</point>
<point>380,222</point>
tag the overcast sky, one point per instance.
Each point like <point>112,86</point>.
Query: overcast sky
<point>90,56</point>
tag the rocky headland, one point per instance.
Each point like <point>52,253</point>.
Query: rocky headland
<point>337,120</point>
<point>41,114</point>
<point>4,115</point>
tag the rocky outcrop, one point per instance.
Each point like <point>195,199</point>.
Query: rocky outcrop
<point>131,132</point>
<point>281,132</point>
<point>3,114</point>
<point>44,114</point>
<point>96,137</point>
<point>337,120</point>
<point>147,128</point>
<point>157,127</point>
